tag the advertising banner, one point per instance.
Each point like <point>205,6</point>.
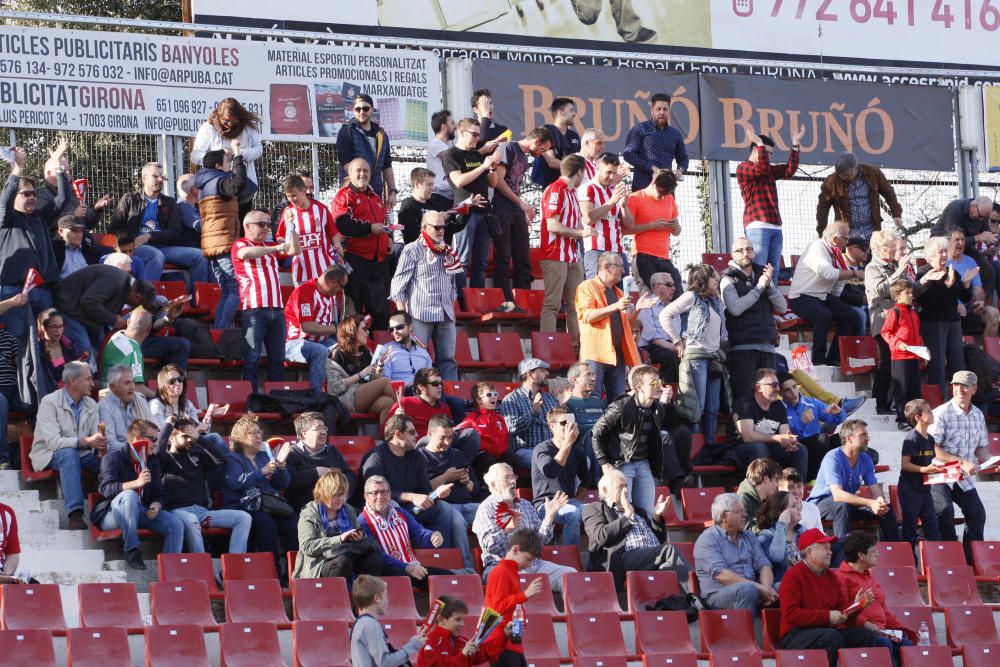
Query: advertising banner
<point>991,111</point>
<point>906,127</point>
<point>611,100</point>
<point>149,84</point>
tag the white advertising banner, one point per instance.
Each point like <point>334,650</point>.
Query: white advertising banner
<point>148,84</point>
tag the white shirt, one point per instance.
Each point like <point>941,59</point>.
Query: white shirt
<point>441,185</point>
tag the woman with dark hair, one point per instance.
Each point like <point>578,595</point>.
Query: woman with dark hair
<point>494,439</point>
<point>172,401</point>
<point>702,359</point>
<point>231,120</point>
<point>778,521</point>
<point>57,349</point>
<point>354,377</point>
<point>251,473</point>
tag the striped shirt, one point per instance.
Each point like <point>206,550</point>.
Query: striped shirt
<point>308,304</point>
<point>260,285</point>
<point>392,533</point>
<point>959,433</point>
<point>608,228</point>
<point>8,359</point>
<point>423,285</point>
<point>526,428</point>
<point>559,201</point>
<point>316,231</point>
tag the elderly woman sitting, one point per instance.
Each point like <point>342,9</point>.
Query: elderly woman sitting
<point>331,543</point>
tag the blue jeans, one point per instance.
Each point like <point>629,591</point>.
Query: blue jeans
<point>472,245</point>
<point>862,314</point>
<point>168,349</point>
<point>842,514</point>
<point>189,258</point>
<point>9,400</point>
<point>641,484</point>
<point>229,302</point>
<point>442,334</point>
<point>191,518</point>
<point>567,516</point>
<point>448,520</point>
<point>743,595</point>
<point>609,379</point>
<point>264,328</point>
<point>69,463</point>
<point>308,352</point>
<point>129,514</point>
<point>16,319</point>
<point>767,246</point>
<point>708,388</point>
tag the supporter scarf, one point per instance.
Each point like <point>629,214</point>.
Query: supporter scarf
<point>392,533</point>
<point>452,264</point>
<point>837,257</point>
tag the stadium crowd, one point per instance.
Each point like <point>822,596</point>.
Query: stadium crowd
<point>601,457</point>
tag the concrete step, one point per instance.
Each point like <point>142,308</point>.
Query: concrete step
<point>54,539</point>
<point>71,579</point>
<point>76,560</point>
<point>10,480</point>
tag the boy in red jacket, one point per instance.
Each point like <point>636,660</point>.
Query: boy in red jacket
<point>445,645</point>
<point>503,594</point>
<point>900,331</point>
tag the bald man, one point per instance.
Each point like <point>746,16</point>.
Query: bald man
<point>972,216</point>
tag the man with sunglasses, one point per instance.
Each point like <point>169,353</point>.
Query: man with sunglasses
<point>428,401</point>
<point>972,216</point>
<point>24,244</point>
<point>752,299</point>
<point>762,429</point>
<point>406,356</point>
<point>653,338</point>
<point>362,137</point>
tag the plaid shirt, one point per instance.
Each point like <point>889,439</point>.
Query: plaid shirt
<point>639,535</point>
<point>525,427</point>
<point>757,185</point>
<point>959,433</point>
<point>493,539</point>
<point>859,194</point>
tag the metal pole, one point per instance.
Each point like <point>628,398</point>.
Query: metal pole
<point>314,151</point>
<point>720,205</point>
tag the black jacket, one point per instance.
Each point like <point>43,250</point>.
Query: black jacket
<point>25,242</point>
<point>956,216</point>
<point>185,481</point>
<point>302,469</point>
<point>606,530</point>
<point>116,469</point>
<point>95,296</point>
<point>90,253</point>
<point>128,215</point>
<point>615,435</point>
<point>755,325</point>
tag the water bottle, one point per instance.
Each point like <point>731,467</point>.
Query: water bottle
<point>923,635</point>
<point>517,625</point>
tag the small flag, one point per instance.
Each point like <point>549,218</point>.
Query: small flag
<point>80,189</point>
<point>32,280</point>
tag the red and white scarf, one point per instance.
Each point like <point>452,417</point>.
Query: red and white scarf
<point>392,533</point>
<point>433,250</point>
<point>837,256</point>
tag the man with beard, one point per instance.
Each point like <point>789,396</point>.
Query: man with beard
<point>443,126</point>
<point>653,144</point>
<point>565,142</point>
<point>361,137</point>
<point>525,409</point>
<point>405,355</point>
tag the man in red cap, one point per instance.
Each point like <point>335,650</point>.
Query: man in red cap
<point>813,603</point>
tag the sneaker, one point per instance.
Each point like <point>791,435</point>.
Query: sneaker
<point>851,405</point>
<point>903,426</point>
<point>644,36</point>
<point>509,307</point>
<point>75,521</point>
<point>5,465</point>
<point>884,410</point>
<point>133,558</point>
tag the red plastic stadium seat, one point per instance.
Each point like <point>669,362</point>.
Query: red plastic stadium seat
<point>912,617</point>
<point>925,656</point>
<point>447,559</point>
<point>542,603</point>
<point>940,554</point>
<point>27,647</point>
<point>28,472</point>
<point>233,392</point>
<point>563,554</point>
<point>401,602</point>
<point>542,662</point>
<point>718,261</point>
<point>540,636</point>
<point>250,645</point>
<point>486,300</point>
<point>606,661</point>
<point>285,385</point>
<point>503,350</point>
<point>323,599</point>
<point>353,448</point>
<point>178,567</point>
<point>877,656</point>
<point>553,347</point>
<point>98,647</point>
<point>248,566</point>
<point>590,593</point>
<point>176,646</point>
<point>36,606</point>
<point>109,605</point>
<point>530,301</point>
<point>858,354</point>
<point>801,658</point>
<point>697,502</point>
<point>952,586</point>
<point>255,601</point>
<point>899,584</point>
<point>970,625</point>
<point>460,388</point>
<point>729,630</point>
<point>321,643</point>
<point>646,588</point>
<point>735,659</point>
<point>980,655</point>
<point>595,634</point>
<point>771,626</point>
<point>463,353</point>
<point>895,554</point>
<point>398,630</point>
<point>207,297</point>
<point>986,559</point>
<point>181,603</point>
<point>659,632</point>
<point>670,660</point>
<point>466,587</point>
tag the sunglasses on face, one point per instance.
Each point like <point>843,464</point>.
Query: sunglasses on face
<point>773,385</point>
<point>27,193</point>
<point>564,422</point>
<point>436,228</point>
<point>491,394</point>
<point>362,109</point>
<point>397,327</point>
<point>177,380</point>
<point>435,384</point>
<point>475,134</point>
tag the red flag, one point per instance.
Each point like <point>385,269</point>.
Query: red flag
<point>461,208</point>
<point>80,189</point>
<point>32,280</point>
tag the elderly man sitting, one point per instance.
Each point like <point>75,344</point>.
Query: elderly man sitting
<point>733,571</point>
<point>813,603</point>
<point>624,538</point>
<point>121,405</point>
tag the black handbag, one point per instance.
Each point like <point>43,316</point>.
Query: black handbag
<point>255,500</point>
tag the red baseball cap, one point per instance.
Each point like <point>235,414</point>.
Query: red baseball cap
<point>814,536</point>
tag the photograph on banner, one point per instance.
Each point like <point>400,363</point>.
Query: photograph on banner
<point>991,113</point>
<point>904,127</point>
<point>152,84</point>
<point>948,32</point>
<point>615,100</point>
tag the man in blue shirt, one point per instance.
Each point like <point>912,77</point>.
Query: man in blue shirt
<point>406,356</point>
<point>810,419</point>
<point>976,315</point>
<point>841,475</point>
<point>654,144</point>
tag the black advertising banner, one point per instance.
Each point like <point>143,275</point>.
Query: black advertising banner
<point>906,127</point>
<point>612,100</point>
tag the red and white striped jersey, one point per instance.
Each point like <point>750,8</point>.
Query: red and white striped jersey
<point>608,228</point>
<point>589,171</point>
<point>560,201</point>
<point>316,231</point>
<point>260,284</point>
<point>308,304</point>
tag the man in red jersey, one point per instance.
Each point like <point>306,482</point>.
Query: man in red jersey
<point>317,234</point>
<point>312,318</point>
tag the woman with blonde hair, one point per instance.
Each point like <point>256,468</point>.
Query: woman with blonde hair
<point>331,544</point>
<point>884,268</point>
<point>353,376</point>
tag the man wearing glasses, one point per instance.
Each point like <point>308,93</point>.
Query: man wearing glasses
<point>424,287</point>
<point>362,137</point>
<point>752,300</point>
<point>427,402</point>
<point>24,244</point>
<point>972,216</point>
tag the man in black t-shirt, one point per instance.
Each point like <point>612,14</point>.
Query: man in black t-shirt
<point>565,141</point>
<point>471,174</point>
<point>762,429</point>
<point>422,199</point>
